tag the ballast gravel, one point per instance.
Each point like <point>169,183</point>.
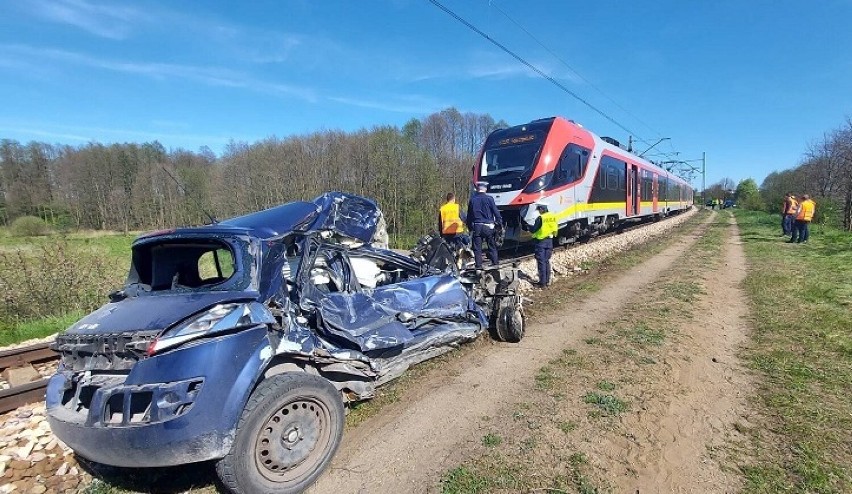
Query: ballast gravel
<point>568,262</point>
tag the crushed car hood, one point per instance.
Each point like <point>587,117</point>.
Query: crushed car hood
<point>351,216</point>
<point>150,312</point>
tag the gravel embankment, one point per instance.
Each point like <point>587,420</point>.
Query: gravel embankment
<point>568,262</point>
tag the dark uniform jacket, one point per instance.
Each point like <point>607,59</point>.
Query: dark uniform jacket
<point>482,209</point>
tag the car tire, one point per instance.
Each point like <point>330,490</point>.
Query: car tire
<point>288,432</point>
<point>510,322</point>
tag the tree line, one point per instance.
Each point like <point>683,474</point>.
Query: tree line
<point>127,186</point>
<point>825,173</point>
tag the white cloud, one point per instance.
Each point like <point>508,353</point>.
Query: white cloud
<point>107,20</point>
<point>45,133</point>
<point>397,104</point>
<point>212,76</point>
<point>83,133</point>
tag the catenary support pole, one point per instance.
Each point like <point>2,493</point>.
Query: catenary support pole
<point>703,176</point>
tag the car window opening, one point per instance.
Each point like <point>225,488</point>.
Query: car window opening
<point>182,265</point>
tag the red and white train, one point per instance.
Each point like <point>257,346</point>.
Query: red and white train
<point>589,182</point>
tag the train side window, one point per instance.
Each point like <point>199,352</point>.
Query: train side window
<point>611,178</point>
<point>572,165</point>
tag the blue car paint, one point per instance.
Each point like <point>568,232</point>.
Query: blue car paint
<point>151,312</point>
<point>230,366</point>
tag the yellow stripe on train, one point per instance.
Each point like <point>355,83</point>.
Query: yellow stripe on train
<point>604,206</point>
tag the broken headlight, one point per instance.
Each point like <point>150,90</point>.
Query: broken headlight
<point>221,317</point>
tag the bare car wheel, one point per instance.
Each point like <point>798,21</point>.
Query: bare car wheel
<point>289,431</point>
<point>509,325</point>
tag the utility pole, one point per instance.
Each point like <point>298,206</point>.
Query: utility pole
<point>703,176</point>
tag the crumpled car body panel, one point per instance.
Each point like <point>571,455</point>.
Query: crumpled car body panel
<point>318,292</point>
<point>388,318</point>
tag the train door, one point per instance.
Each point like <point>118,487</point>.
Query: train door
<point>655,192</point>
<point>636,190</point>
<point>631,191</point>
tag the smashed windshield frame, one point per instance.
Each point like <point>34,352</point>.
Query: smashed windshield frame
<point>192,264</point>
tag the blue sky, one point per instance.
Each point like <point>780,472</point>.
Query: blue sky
<point>749,82</point>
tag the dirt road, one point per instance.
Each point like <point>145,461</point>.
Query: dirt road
<point>692,408</point>
<point>412,443</point>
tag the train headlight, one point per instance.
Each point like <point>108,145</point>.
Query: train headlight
<point>539,184</point>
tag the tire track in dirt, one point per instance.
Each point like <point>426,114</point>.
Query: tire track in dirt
<point>409,446</point>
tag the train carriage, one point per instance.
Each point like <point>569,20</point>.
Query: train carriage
<point>589,182</point>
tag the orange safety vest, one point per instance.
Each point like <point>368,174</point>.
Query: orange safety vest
<point>451,219</point>
<point>806,210</point>
<point>792,207</point>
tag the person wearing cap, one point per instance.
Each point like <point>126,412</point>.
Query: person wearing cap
<point>788,214</point>
<point>804,215</point>
<point>544,230</point>
<point>483,218</point>
<point>451,222</point>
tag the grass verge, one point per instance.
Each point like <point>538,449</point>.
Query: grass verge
<point>801,300</point>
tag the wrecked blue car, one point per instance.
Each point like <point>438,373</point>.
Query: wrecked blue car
<point>242,341</point>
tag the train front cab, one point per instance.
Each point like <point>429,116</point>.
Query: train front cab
<point>543,161</point>
<point>590,184</point>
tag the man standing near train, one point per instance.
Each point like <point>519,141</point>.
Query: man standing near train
<point>451,222</point>
<point>544,230</point>
<point>483,218</point>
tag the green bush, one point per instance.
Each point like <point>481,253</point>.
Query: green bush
<point>29,226</point>
<point>52,280</point>
<point>753,202</point>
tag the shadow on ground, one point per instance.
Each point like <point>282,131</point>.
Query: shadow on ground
<point>165,480</point>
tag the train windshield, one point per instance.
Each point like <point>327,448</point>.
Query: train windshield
<point>510,154</point>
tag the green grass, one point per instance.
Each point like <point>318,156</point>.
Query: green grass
<point>491,440</point>
<point>471,480</point>
<point>567,426</point>
<point>48,282</point>
<point>802,350</point>
<point>38,328</point>
<point>609,404</point>
<point>642,335</point>
<point>606,386</point>
<point>111,244</point>
<point>545,379</point>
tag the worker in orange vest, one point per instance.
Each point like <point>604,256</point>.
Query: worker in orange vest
<point>451,222</point>
<point>788,214</point>
<point>804,215</point>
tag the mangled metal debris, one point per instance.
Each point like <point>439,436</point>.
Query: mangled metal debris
<point>241,341</point>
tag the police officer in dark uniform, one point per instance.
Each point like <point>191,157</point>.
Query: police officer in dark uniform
<point>544,229</point>
<point>483,218</point>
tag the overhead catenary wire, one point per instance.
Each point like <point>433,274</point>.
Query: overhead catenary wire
<point>569,67</point>
<point>536,70</point>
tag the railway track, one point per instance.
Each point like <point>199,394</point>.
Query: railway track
<point>24,394</point>
<point>522,252</point>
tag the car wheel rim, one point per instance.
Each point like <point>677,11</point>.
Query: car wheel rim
<point>517,321</point>
<point>293,440</point>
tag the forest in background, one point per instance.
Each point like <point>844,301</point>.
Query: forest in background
<point>825,173</point>
<point>127,186</point>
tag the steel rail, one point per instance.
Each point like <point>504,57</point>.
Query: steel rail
<point>18,396</point>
